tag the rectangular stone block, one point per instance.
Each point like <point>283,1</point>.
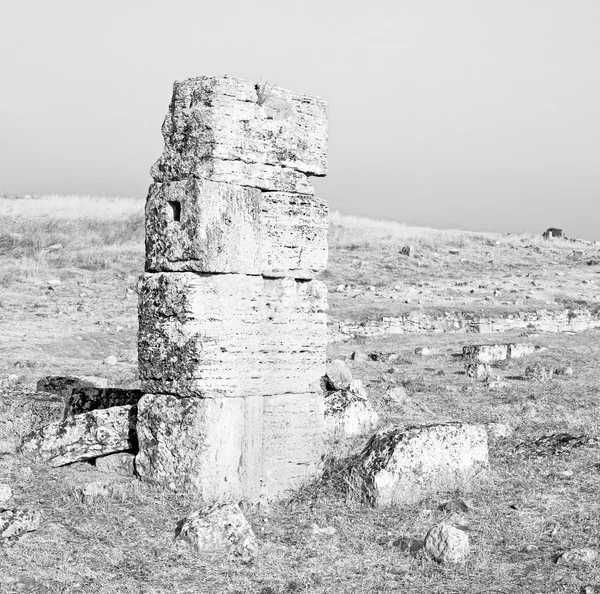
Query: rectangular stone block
<point>214,335</point>
<point>230,129</point>
<point>220,448</point>
<point>204,226</point>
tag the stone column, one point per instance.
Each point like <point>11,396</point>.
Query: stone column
<point>232,324</point>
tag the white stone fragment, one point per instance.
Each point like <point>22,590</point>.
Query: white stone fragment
<point>447,544</point>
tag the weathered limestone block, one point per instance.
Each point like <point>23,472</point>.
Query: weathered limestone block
<point>200,226</point>
<point>15,522</point>
<point>403,466</point>
<point>21,412</point>
<point>230,335</point>
<point>486,353</point>
<point>84,437</point>
<point>84,400</point>
<point>348,412</point>
<point>221,527</point>
<point>229,129</point>
<point>229,447</point>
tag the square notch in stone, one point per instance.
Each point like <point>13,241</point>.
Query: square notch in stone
<point>175,210</point>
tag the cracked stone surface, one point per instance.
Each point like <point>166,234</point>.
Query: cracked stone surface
<point>84,437</point>
<point>282,234</point>
<point>230,129</point>
<point>230,335</point>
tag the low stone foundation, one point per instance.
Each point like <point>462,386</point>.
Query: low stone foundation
<point>565,320</point>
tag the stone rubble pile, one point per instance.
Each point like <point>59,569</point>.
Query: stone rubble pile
<point>232,324</point>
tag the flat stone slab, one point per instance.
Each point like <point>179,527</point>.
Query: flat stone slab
<point>231,129</point>
<point>230,335</point>
<point>488,353</point>
<point>402,466</point>
<point>84,437</point>
<point>200,225</point>
<point>230,447</point>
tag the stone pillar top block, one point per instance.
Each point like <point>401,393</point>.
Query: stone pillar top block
<point>230,129</point>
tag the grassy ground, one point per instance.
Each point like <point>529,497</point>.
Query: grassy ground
<point>535,503</point>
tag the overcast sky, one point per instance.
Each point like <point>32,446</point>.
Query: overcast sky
<point>477,114</point>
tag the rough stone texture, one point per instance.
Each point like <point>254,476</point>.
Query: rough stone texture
<point>5,493</point>
<point>122,464</point>
<point>477,370</point>
<point>498,430</point>
<point>84,437</point>
<point>229,447</point>
<point>486,353</point>
<point>348,412</point>
<point>84,400</point>
<point>199,226</point>
<point>220,528</point>
<point>539,372</point>
<point>584,556</point>
<point>16,522</point>
<point>338,376</point>
<point>229,129</point>
<point>230,335</point>
<point>402,466</point>
<point>64,385</point>
<point>21,412</point>
<point>447,544</point>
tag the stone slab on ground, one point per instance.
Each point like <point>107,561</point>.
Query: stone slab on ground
<point>229,447</point>
<point>199,225</point>
<point>84,400</point>
<point>230,129</point>
<point>84,437</point>
<point>405,465</point>
<point>122,463</point>
<point>230,335</point>
<point>488,353</point>
<point>220,528</point>
<point>22,411</point>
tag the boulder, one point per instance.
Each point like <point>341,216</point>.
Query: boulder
<point>220,528</point>
<point>84,437</point>
<point>230,335</point>
<point>239,448</point>
<point>15,522</point>
<point>348,412</point>
<point>405,465</point>
<point>233,130</point>
<point>338,376</point>
<point>446,544</point>
<point>283,234</point>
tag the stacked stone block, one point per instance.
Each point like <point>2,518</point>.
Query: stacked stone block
<point>232,324</point>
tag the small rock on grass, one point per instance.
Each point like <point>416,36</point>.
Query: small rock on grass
<point>221,527</point>
<point>16,522</point>
<point>584,556</point>
<point>327,531</point>
<point>5,493</point>
<point>338,375</point>
<point>424,351</point>
<point>110,360</point>
<point>446,544</point>
<point>458,504</point>
<point>498,430</point>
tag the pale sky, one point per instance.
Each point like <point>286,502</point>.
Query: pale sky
<point>476,114</point>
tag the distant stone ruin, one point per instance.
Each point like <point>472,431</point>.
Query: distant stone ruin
<point>232,326</point>
<point>552,233</point>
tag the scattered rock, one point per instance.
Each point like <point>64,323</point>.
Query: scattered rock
<point>122,464</point>
<point>84,437</point>
<point>338,375</point>
<point>446,544</point>
<point>359,356</point>
<point>397,394</point>
<point>113,487</point>
<point>485,353</point>
<point>110,360</point>
<point>408,250</point>
<point>477,370</point>
<point>409,544</point>
<point>563,371</point>
<point>404,465</point>
<point>554,444</point>
<point>16,522</point>
<point>349,412</point>
<point>84,399</point>
<point>538,372</point>
<point>456,505</point>
<point>424,351</point>
<point>5,493</point>
<point>327,531</point>
<point>220,528</point>
<point>454,252</point>
<point>584,556</point>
